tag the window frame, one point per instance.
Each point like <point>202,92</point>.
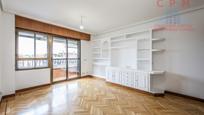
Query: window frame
<point>33,59</point>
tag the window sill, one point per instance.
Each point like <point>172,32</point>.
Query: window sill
<point>32,69</point>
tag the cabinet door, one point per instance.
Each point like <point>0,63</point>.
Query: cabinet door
<point>108,74</point>
<point>124,78</point>
<point>130,79</point>
<point>142,81</point>
<point>135,80</point>
<point>114,76</point>
<point>120,77</point>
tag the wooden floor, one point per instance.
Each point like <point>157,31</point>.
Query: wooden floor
<point>91,96</point>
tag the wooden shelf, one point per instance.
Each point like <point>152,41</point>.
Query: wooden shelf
<point>158,39</point>
<point>157,72</point>
<point>158,50</point>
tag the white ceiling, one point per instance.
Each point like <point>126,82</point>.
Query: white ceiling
<point>100,15</point>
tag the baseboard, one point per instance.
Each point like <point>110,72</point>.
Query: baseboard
<point>86,76</point>
<point>98,76</point>
<point>95,77</point>
<point>30,88</point>
<point>185,96</point>
<point>138,90</point>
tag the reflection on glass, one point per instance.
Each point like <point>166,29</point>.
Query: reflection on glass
<point>59,96</point>
<point>59,59</point>
<point>73,59</point>
<point>73,68</point>
<point>28,64</point>
<point>41,46</point>
<point>63,59</point>
<point>73,51</point>
<point>25,47</point>
<point>59,48</point>
<point>41,63</point>
<point>25,64</point>
<point>59,70</point>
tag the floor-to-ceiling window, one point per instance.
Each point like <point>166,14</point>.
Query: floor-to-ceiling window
<point>73,59</point>
<point>65,59</point>
<point>62,55</point>
<point>59,59</point>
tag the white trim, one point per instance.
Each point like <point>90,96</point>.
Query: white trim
<point>151,20</point>
<point>99,76</point>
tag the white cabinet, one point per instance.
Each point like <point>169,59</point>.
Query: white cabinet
<point>135,80</point>
<point>143,81</point>
<point>129,78</point>
<point>138,51</point>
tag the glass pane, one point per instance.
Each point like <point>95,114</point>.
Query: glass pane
<point>73,51</point>
<point>59,48</point>
<point>41,46</point>
<point>41,63</point>
<point>73,68</point>
<point>59,70</point>
<point>26,34</point>
<point>26,46</point>
<point>25,64</point>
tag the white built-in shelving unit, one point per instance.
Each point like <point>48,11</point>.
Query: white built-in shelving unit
<point>128,59</point>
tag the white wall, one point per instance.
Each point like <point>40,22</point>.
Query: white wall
<point>184,56</point>
<point>86,58</point>
<point>0,54</point>
<point>7,39</point>
<point>31,78</point>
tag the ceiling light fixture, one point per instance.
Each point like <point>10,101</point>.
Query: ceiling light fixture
<point>81,26</point>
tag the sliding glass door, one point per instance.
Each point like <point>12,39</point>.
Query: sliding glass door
<point>65,59</point>
<point>73,59</point>
<point>59,59</point>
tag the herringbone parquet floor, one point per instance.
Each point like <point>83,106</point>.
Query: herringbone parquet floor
<point>91,96</point>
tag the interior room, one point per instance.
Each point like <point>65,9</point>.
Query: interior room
<point>101,57</point>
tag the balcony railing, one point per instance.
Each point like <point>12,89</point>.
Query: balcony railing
<point>22,64</point>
